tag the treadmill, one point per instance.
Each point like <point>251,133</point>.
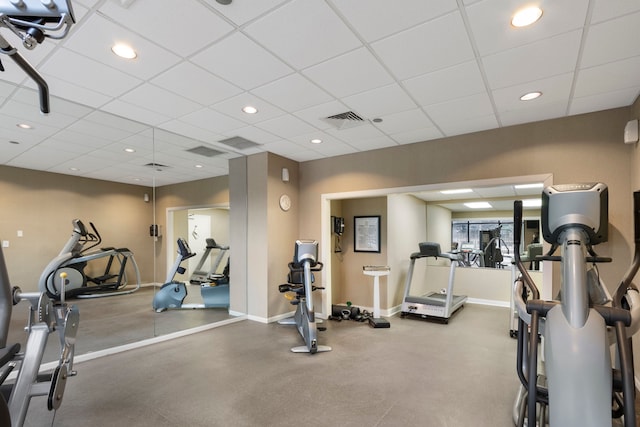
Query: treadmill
<point>200,276</point>
<point>432,306</point>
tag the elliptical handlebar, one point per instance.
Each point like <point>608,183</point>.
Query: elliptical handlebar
<point>517,230</point>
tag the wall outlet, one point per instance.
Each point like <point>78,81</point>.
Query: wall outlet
<point>5,243</point>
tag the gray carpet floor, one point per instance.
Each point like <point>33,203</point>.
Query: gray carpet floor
<point>243,374</point>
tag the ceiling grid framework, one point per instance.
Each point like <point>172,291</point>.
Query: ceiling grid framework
<point>423,70</point>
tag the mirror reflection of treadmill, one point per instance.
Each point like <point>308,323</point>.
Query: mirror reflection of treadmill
<point>432,306</point>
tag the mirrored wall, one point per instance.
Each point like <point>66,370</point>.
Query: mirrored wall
<point>126,182</point>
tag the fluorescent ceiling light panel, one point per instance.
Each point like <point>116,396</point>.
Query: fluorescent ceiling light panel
<point>535,185</point>
<point>458,191</point>
<point>532,203</point>
<point>478,205</point>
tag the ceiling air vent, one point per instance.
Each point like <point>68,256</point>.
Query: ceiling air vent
<point>204,151</point>
<point>159,167</point>
<point>239,143</point>
<point>345,120</point>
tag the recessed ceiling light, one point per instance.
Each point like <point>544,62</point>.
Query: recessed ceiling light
<point>129,150</point>
<point>458,191</point>
<point>530,96</point>
<point>526,16</point>
<point>24,126</point>
<point>124,51</point>
<point>250,109</point>
<point>74,169</point>
<point>316,141</point>
<point>199,166</point>
<point>14,142</point>
<point>478,205</point>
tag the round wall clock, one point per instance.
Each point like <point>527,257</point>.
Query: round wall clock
<point>285,202</point>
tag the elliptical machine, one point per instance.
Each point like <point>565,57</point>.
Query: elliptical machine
<point>579,381</point>
<point>300,280</point>
<point>45,317</point>
<point>73,259</point>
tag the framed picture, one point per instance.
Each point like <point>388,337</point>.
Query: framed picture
<point>366,233</point>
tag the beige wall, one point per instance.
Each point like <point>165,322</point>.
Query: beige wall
<point>42,205</point>
<point>580,148</point>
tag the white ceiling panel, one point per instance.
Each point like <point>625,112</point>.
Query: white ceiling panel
<point>242,62</point>
<point>442,43</point>
<point>607,42</point>
<point>183,30</point>
<point>526,63</point>
<point>95,38</point>
<point>610,77</point>
<point>292,93</point>
<point>353,72</point>
<point>208,90</point>
<point>380,102</point>
<point>427,69</point>
<point>286,126</point>
<point>453,82</point>
<point>303,33</point>
<point>233,107</point>
<point>381,18</point>
<point>490,22</point>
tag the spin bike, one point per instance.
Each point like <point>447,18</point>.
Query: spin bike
<point>579,383</point>
<point>73,259</point>
<point>33,21</point>
<point>45,317</point>
<point>300,281</point>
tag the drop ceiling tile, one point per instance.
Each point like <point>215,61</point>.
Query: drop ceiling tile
<point>365,137</point>
<point>211,120</point>
<point>533,113</point>
<point>242,12</point>
<point>404,121</point>
<point>535,61</point>
<point>196,84</point>
<point>461,109</point>
<point>74,93</point>
<point>442,43</point>
<point>607,42</point>
<point>253,133</point>
<point>474,124</point>
<point>160,101</point>
<point>303,33</point>
<point>191,131</point>
<point>134,112</point>
<point>241,61</point>
<point>81,138</point>
<point>182,27</point>
<point>608,77</point>
<point>490,23</point>
<point>292,93</point>
<point>603,11</point>
<point>95,38</point>
<point>380,102</point>
<point>380,18</point>
<point>286,126</point>
<point>417,135</point>
<point>39,159</point>
<point>353,72</point>
<point>554,89</point>
<point>54,120</point>
<point>233,107</point>
<point>604,101</point>
<point>453,82</point>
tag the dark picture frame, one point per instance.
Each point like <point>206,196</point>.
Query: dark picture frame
<point>366,233</point>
